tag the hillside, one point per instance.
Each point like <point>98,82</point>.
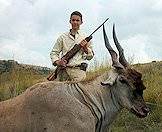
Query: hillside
<point>9,65</point>
<point>16,77</point>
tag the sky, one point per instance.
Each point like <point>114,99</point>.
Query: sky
<point>29,28</point>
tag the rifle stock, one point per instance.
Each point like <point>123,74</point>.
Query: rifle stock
<point>52,76</point>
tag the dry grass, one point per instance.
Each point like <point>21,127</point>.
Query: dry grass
<point>15,82</point>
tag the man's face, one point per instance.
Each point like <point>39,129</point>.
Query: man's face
<point>75,22</point>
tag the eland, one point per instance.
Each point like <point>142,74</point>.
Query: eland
<point>77,106</point>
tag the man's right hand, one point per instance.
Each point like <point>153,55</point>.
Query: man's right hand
<point>60,62</point>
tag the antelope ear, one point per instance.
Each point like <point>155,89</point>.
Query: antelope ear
<point>107,82</point>
<point>119,66</point>
<point>110,81</point>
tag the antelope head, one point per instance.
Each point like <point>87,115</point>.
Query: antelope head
<point>125,82</point>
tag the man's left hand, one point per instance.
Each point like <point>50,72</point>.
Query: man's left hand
<point>84,44</point>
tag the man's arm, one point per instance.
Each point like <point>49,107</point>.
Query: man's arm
<point>88,55</point>
<point>54,54</point>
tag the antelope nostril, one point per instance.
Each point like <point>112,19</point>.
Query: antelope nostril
<point>145,109</point>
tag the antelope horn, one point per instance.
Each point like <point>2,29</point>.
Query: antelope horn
<point>113,54</point>
<point>122,59</point>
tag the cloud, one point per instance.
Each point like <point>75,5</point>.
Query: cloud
<point>3,5</point>
<point>18,52</point>
<point>30,27</point>
<point>157,5</point>
<point>139,54</point>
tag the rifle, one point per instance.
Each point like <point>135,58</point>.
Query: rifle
<point>70,54</point>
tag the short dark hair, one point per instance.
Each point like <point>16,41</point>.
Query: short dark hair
<point>76,13</point>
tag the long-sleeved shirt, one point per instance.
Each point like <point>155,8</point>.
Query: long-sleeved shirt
<point>66,42</point>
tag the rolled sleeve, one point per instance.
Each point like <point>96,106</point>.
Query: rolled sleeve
<point>90,54</point>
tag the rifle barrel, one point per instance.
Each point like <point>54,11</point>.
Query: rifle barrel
<point>98,27</point>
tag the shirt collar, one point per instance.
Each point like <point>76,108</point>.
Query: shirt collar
<point>78,32</point>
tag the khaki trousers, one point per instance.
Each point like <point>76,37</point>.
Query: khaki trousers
<point>71,74</point>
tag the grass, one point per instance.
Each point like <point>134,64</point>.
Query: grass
<point>18,80</point>
<point>15,82</point>
<point>126,121</point>
<point>152,76</point>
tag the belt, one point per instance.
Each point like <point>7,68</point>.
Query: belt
<point>82,66</point>
<point>76,66</point>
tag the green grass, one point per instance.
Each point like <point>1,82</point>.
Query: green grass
<point>126,121</point>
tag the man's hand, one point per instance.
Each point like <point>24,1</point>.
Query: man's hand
<point>60,62</point>
<point>84,45</point>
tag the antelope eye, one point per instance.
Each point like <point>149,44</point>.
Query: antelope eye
<point>123,80</point>
<point>137,92</point>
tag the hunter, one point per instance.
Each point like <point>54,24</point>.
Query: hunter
<point>75,70</point>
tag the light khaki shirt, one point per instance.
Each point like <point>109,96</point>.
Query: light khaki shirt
<point>66,42</point>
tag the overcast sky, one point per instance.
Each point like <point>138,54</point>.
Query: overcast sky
<point>29,28</point>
